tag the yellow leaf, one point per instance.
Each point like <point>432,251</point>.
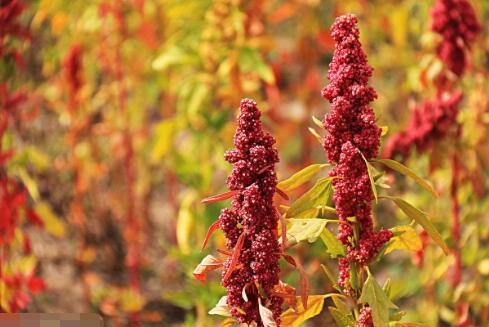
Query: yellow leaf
<point>131,301</point>
<point>405,238</point>
<point>58,23</point>
<point>314,307</point>
<point>164,132</point>
<point>484,267</point>
<point>52,223</point>
<point>300,177</point>
<point>29,183</point>
<point>221,308</point>
<point>305,229</point>
<point>184,224</point>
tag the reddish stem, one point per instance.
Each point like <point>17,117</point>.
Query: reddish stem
<point>457,269</point>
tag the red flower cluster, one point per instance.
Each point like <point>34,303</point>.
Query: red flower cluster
<point>73,67</point>
<point>252,217</point>
<point>10,10</point>
<point>352,131</point>
<point>456,22</point>
<point>430,122</point>
<point>365,318</point>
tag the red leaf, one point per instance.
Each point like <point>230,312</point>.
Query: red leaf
<point>36,285</point>
<point>304,284</point>
<point>211,230</point>
<point>282,194</point>
<point>289,259</point>
<point>4,156</point>
<point>286,292</point>
<point>235,257</point>
<point>34,218</point>
<point>225,252</point>
<point>209,263</point>
<point>219,197</point>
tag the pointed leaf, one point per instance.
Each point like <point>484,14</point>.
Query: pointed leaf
<point>334,247</point>
<point>320,194</point>
<point>211,230</point>
<point>405,238</point>
<point>421,218</point>
<point>287,292</point>
<point>317,122</point>
<point>266,315</point>
<point>316,135</point>
<point>290,318</point>
<point>299,178</point>
<point>407,172</point>
<point>221,308</point>
<point>235,256</point>
<point>219,197</point>
<point>373,294</point>
<point>209,263</point>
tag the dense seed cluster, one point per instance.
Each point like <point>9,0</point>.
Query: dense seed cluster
<point>456,22</point>
<point>254,179</point>
<point>352,129</point>
<point>365,318</point>
<point>430,122</point>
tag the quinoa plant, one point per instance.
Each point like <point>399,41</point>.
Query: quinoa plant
<point>345,197</point>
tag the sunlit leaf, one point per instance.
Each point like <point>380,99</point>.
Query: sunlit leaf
<point>299,178</point>
<point>290,318</point>
<point>305,229</point>
<point>317,122</point>
<point>221,308</point>
<point>52,223</point>
<point>209,263</point>
<point>250,60</point>
<point>408,172</point>
<point>316,135</point>
<point>320,194</point>
<point>405,238</point>
<point>266,315</point>
<point>422,219</point>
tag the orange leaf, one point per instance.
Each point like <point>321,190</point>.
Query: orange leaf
<point>211,230</point>
<point>219,197</point>
<point>209,263</point>
<point>286,292</point>
<point>235,257</point>
<point>282,194</point>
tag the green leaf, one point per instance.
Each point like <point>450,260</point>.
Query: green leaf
<point>421,218</point>
<point>373,294</point>
<point>407,172</point>
<point>341,306</point>
<point>342,319</point>
<point>305,229</point>
<point>405,238</point>
<point>250,60</point>
<point>334,247</point>
<point>320,194</point>
<point>371,172</point>
<point>300,177</point>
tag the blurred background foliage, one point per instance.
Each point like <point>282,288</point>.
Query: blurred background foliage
<point>137,101</point>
